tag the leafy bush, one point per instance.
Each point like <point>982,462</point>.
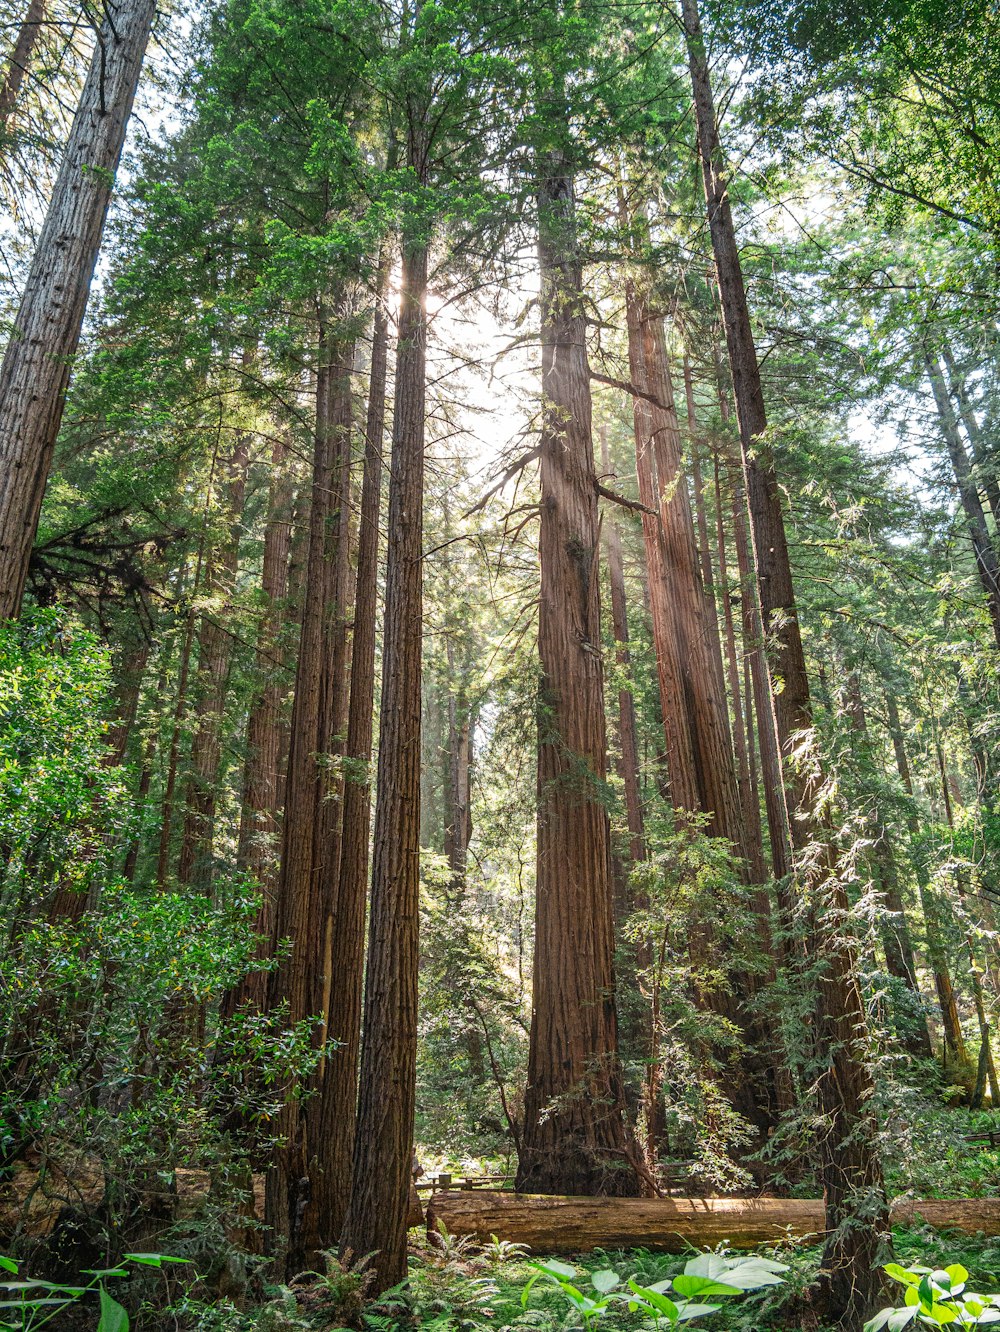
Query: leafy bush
<point>935,1298</point>
<point>710,1275</point>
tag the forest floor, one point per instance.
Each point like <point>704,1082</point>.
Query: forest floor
<point>455,1289</point>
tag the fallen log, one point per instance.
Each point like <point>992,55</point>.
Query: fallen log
<point>673,1225</point>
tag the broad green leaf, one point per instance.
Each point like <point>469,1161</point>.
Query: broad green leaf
<point>653,1299</point>
<point>707,1265</point>
<point>113,1316</point>
<point>752,1275</point>
<point>908,1278</point>
<point>555,1268</point>
<point>605,1280</point>
<point>688,1286</point>
<point>688,1310</point>
<point>958,1275</point>
<point>898,1318</point>
<point>8,1264</point>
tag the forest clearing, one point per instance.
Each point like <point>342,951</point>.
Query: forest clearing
<point>499,665</point>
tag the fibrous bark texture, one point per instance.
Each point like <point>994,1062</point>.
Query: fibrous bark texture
<point>37,363</point>
<point>574,1138</point>
<point>383,1149</point>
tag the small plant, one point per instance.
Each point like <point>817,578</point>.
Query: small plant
<point>589,1308</point>
<point>504,1251</point>
<point>34,1303</point>
<point>710,1275</point>
<point>448,1247</point>
<point>934,1298</point>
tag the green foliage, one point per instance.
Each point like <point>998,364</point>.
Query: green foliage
<point>711,1275</point>
<point>33,1303</point>
<point>936,1297</point>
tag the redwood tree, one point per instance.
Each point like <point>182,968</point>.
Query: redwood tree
<point>37,364</point>
<point>851,1171</point>
<point>574,1135</point>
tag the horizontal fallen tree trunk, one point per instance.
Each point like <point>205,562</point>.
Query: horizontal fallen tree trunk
<point>673,1225</point>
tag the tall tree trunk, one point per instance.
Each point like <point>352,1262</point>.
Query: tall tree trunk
<point>987,564</point>
<point>575,1136</point>
<point>985,464</point>
<point>163,857</point>
<point>383,1146</point>
<point>27,38</point>
<point>954,1042</point>
<point>37,363</point>
<point>215,650</point>
<point>298,982</point>
<point>856,1207</point>
<point>256,852</point>
<point>741,724</point>
<point>986,1062</point>
<point>644,1033</point>
<point>340,1091</point>
<point>627,730</point>
<point>693,695</point>
<point>754,648</point>
<point>896,940</point>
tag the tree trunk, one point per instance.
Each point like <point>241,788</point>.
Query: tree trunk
<point>856,1207</point>
<point>896,940</point>
<point>747,786</point>
<point>37,363</point>
<point>693,697</point>
<point>627,731</point>
<point>27,38</point>
<point>987,564</point>
<point>173,753</point>
<point>383,1148</point>
<point>575,1137</point>
<point>257,848</point>
<point>340,1092</point>
<point>215,650</point>
<point>985,464</point>
<point>754,648</point>
<point>300,917</point>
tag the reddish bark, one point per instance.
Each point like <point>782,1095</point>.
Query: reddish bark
<point>856,1207</point>
<point>574,1138</point>
<point>383,1148</point>
<point>38,360</point>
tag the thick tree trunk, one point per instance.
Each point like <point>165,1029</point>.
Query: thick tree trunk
<point>856,1207</point>
<point>575,1137</point>
<point>383,1150</point>
<point>340,1092</point>
<point>37,363</point>
<point>27,39</point>
<point>692,687</point>
<point>987,564</point>
<point>300,917</point>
